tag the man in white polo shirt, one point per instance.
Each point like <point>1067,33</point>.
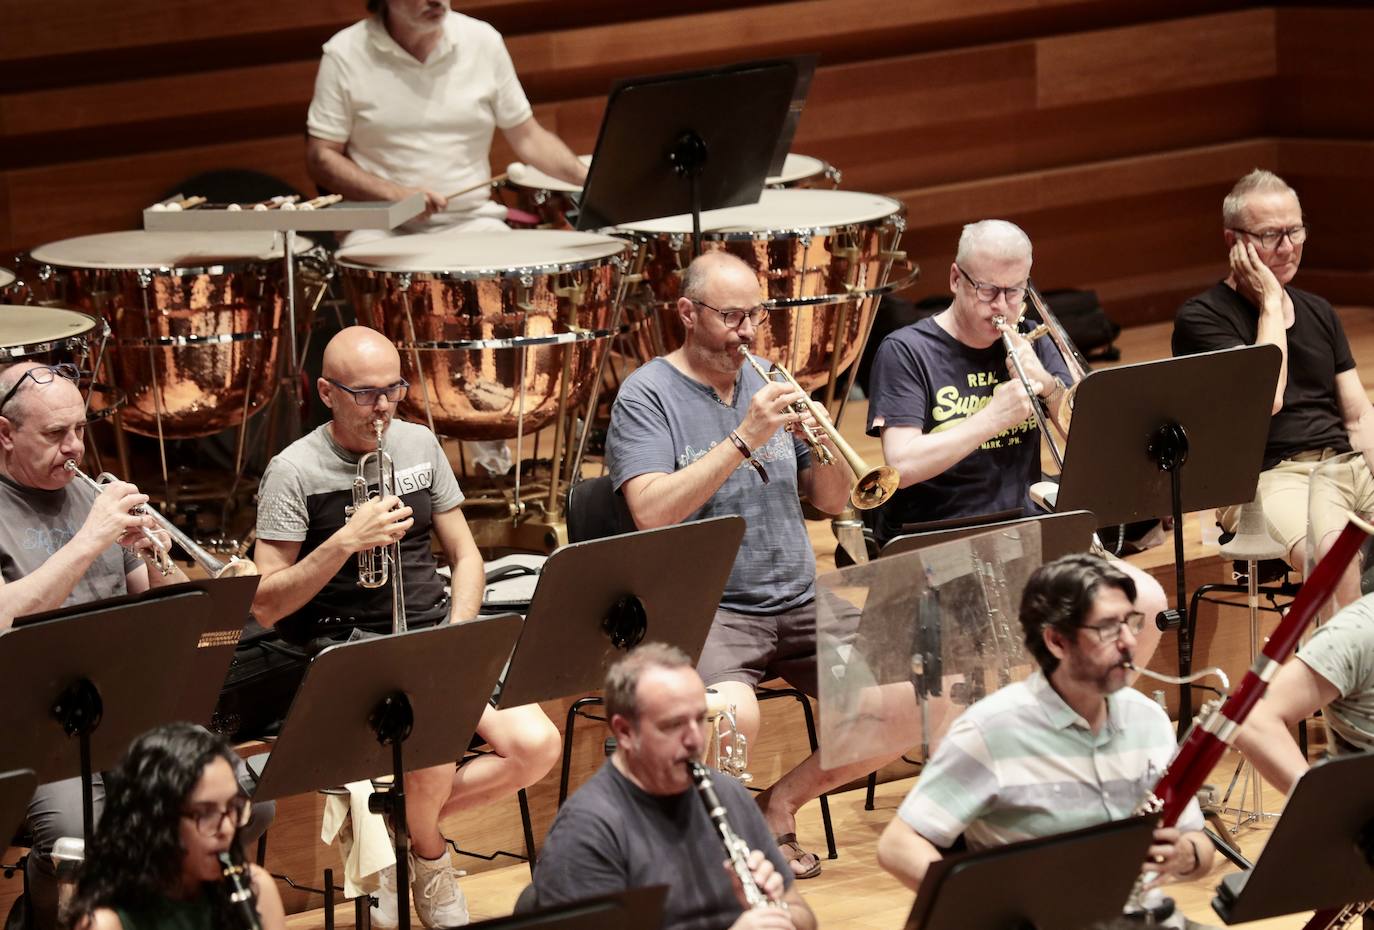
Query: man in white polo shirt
<point>408,100</point>
<point>1069,747</point>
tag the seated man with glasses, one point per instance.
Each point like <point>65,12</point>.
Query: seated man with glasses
<point>1320,408</point>
<point>954,419</point>
<point>699,433</point>
<point>1069,747</point>
<point>307,551</point>
<point>61,542</point>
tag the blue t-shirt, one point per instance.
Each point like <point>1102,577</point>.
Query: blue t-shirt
<point>925,378</point>
<point>663,421</point>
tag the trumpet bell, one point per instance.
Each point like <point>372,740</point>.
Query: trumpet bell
<point>874,487</point>
<point>237,568</point>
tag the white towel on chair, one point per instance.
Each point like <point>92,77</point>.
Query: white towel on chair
<point>364,842</point>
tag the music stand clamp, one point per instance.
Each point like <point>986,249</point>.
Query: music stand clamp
<point>687,142</point>
<point>1321,852</point>
<point>1157,417</point>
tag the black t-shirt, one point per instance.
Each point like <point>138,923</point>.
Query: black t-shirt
<point>1310,418</point>
<point>925,378</point>
<point>611,836</point>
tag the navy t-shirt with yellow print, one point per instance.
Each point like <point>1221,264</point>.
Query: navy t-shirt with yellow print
<point>925,378</point>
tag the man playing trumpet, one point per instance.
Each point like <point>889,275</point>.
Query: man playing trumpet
<point>954,419</point>
<point>307,553</point>
<point>61,543</point>
<point>698,433</point>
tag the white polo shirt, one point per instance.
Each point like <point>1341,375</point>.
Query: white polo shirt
<point>420,124</point>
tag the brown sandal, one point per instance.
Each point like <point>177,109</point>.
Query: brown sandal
<point>791,851</point>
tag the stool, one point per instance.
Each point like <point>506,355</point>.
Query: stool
<point>579,709</point>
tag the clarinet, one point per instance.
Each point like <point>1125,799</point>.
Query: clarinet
<point>240,888</point>
<point>735,848</point>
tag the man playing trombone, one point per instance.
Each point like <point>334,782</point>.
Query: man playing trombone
<point>955,419</point>
<point>699,433</point>
<point>311,531</point>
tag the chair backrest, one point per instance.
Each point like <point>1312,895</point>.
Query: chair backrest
<point>594,510</point>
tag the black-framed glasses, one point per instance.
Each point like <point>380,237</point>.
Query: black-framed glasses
<point>1271,239</point>
<point>1110,632</point>
<point>734,319</point>
<point>368,397</point>
<point>44,374</point>
<point>987,293</point>
<point>208,817</point>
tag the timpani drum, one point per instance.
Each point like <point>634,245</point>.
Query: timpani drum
<point>499,332</point>
<point>196,319</point>
<point>822,258</point>
<point>552,200</point>
<point>52,335</point>
<point>7,280</point>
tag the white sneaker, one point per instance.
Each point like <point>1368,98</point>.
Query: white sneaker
<point>439,902</point>
<point>385,912</point>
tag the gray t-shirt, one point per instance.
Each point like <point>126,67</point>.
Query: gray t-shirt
<point>611,836</point>
<point>1342,652</point>
<point>302,498</point>
<point>663,420</point>
<point>34,524</point>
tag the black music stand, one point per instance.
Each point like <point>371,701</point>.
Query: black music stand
<point>1203,416</point>
<point>1321,853</point>
<point>361,702</point>
<point>596,600</point>
<point>1065,882</point>
<point>1060,534</point>
<point>16,788</point>
<point>103,674</point>
<point>632,909</point>
<point>687,142</point>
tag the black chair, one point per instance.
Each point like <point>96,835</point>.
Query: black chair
<point>594,511</point>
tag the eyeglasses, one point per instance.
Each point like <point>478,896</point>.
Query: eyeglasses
<point>1110,632</point>
<point>208,817</point>
<point>734,319</point>
<point>987,293</point>
<point>368,397</point>
<point>1297,235</point>
<point>44,374</point>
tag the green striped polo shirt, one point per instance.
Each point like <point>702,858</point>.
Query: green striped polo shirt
<point>1021,764</point>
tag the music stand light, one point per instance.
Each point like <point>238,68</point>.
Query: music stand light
<point>1184,434</point>
<point>1065,882</point>
<point>1320,853</point>
<point>361,702</point>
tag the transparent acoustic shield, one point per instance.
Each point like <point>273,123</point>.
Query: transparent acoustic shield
<point>906,642</point>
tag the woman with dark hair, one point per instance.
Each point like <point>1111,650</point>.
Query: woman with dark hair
<point>171,807</point>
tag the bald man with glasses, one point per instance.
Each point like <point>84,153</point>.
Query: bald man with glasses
<point>307,551</point>
<point>1320,408</point>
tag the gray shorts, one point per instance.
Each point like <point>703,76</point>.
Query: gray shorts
<point>752,648</point>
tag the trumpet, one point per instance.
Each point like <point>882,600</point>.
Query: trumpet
<point>875,484</point>
<point>379,564</point>
<point>160,558</point>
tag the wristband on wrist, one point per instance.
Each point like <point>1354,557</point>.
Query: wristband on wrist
<point>748,454</point>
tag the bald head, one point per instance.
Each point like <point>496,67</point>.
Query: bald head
<point>33,397</point>
<point>357,349</point>
<point>709,270</point>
